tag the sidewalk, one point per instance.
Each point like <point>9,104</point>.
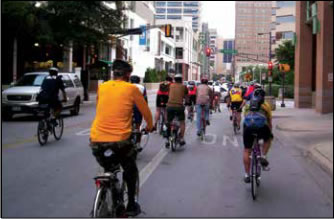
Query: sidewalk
<point>311,132</point>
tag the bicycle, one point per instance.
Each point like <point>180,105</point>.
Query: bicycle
<point>174,139</point>
<point>256,167</point>
<point>162,120</point>
<point>191,113</point>
<point>139,138</point>
<point>202,123</point>
<point>111,195</point>
<point>48,126</point>
<point>235,122</point>
<point>216,103</point>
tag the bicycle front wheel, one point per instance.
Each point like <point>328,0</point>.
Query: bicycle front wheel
<point>58,128</point>
<point>42,132</point>
<point>100,208</point>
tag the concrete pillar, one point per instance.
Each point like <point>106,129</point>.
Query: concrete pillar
<point>303,59</point>
<point>324,88</point>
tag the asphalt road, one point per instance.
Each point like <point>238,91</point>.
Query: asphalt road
<point>203,179</point>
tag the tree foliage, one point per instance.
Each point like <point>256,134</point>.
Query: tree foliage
<point>62,21</point>
<point>285,53</point>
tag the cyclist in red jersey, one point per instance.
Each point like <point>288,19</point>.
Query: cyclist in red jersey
<point>162,99</point>
<point>192,89</point>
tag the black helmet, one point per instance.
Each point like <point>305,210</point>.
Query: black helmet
<point>135,79</point>
<point>192,83</point>
<point>260,93</point>
<point>53,71</point>
<point>121,67</point>
<point>169,78</point>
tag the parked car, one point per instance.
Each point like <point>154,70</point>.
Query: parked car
<point>21,97</point>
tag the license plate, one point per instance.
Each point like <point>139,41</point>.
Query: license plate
<point>16,108</point>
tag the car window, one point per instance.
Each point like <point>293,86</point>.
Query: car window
<point>31,80</point>
<point>67,81</point>
<point>77,82</point>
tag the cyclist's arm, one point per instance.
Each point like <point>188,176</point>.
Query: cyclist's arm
<point>139,101</point>
<point>62,88</point>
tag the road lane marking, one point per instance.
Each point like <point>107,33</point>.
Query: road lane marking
<point>147,171</point>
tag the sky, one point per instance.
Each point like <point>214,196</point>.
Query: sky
<point>220,15</point>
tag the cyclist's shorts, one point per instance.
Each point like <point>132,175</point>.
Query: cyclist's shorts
<point>263,133</point>
<point>173,112</point>
<point>236,106</point>
<point>162,101</point>
<point>192,100</point>
<point>137,116</point>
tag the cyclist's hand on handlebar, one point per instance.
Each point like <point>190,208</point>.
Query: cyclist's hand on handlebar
<point>149,130</point>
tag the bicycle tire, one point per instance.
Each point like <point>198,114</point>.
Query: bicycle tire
<point>174,141</point>
<point>100,208</point>
<point>42,132</point>
<point>60,122</point>
<point>254,176</point>
<point>144,141</point>
<point>161,123</point>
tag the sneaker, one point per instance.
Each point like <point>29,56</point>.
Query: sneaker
<point>133,209</point>
<point>182,142</point>
<point>247,179</point>
<point>167,145</point>
<point>207,122</point>
<point>264,162</point>
<point>198,134</point>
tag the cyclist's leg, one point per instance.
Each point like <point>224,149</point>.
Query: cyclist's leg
<point>170,116</point>
<point>248,144</point>
<point>266,135</point>
<point>239,111</point>
<point>207,114</point>
<point>181,117</point>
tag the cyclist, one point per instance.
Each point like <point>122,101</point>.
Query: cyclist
<point>162,99</point>
<point>138,118</point>
<point>192,88</point>
<point>175,107</point>
<point>50,90</point>
<point>258,119</point>
<point>236,101</point>
<point>112,126</point>
<point>204,96</point>
<point>217,95</point>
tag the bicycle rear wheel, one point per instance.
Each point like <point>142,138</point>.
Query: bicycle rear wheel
<point>174,141</point>
<point>58,129</point>
<point>254,176</point>
<point>101,203</point>
<point>42,132</point>
<point>161,122</point>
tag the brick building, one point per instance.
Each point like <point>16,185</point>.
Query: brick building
<point>314,55</point>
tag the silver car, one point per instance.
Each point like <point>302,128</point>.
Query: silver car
<point>20,98</point>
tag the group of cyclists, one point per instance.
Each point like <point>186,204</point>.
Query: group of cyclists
<point>118,101</point>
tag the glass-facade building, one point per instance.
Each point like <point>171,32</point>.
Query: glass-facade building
<point>176,10</point>
<point>228,45</point>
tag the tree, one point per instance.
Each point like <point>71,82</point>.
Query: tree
<point>285,53</point>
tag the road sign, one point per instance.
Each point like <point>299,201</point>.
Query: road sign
<point>270,79</point>
<point>228,51</point>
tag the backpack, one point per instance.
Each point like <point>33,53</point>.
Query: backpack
<point>43,97</point>
<point>191,88</point>
<point>164,87</point>
<point>255,118</point>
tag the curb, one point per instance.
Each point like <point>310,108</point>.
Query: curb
<point>310,153</point>
<point>321,160</point>
<point>278,127</point>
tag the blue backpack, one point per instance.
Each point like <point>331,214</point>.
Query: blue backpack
<point>255,118</point>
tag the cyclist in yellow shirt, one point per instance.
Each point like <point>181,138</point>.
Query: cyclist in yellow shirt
<point>235,101</point>
<point>112,126</point>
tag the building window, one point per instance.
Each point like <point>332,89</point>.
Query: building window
<point>286,4</point>
<point>168,50</point>
<point>174,4</point>
<point>190,11</point>
<point>161,10</point>
<point>179,53</point>
<point>286,19</point>
<point>160,17</point>
<point>287,35</point>
<point>273,11</point>
<point>174,17</point>
<point>160,4</point>
<point>174,10</point>
<point>190,4</point>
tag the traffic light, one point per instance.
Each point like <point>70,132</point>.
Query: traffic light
<point>168,30</point>
<point>208,52</point>
<point>270,65</point>
<point>284,67</point>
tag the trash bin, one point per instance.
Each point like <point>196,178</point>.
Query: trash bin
<point>272,101</point>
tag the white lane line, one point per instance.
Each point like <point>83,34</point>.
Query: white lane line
<point>147,171</point>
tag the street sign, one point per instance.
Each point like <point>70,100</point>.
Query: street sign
<point>270,79</point>
<point>228,51</point>
<point>142,37</point>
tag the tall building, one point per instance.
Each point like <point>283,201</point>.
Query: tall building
<point>314,55</point>
<point>252,33</point>
<point>176,10</point>
<point>220,56</point>
<point>228,59</point>
<point>283,25</point>
<point>213,46</point>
